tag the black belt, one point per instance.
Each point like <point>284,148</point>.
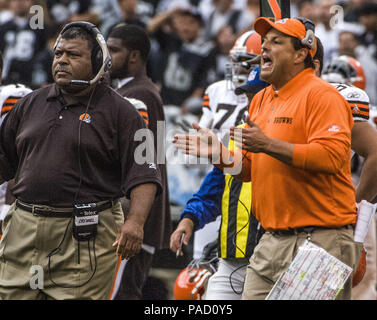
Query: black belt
<point>56,213</point>
<point>307,230</point>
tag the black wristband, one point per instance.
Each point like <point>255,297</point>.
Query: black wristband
<point>193,218</point>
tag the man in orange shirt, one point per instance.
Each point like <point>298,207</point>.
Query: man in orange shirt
<point>296,151</point>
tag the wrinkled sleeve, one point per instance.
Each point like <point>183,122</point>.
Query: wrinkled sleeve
<point>329,124</point>
<point>137,153</point>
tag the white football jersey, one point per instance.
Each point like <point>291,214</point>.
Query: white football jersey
<point>141,107</point>
<point>222,108</point>
<point>357,99</point>
<point>9,95</point>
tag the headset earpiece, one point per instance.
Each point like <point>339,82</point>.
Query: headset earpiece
<point>309,39</point>
<point>97,58</point>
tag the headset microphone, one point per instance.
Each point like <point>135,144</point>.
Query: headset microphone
<point>80,82</point>
<point>100,60</point>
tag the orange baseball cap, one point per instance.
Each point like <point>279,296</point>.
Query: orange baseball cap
<point>291,27</point>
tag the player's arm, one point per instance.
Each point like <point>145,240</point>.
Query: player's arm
<point>364,143</point>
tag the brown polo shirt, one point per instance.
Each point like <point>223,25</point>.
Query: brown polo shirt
<point>39,148</point>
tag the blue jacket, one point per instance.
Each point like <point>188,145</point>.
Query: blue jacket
<point>205,205</point>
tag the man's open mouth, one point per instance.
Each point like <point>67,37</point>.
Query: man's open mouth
<point>266,62</point>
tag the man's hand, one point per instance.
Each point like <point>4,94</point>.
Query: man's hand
<point>130,240</point>
<point>185,226</point>
<point>253,139</point>
<point>204,143</point>
<point>250,138</point>
<point>131,236</point>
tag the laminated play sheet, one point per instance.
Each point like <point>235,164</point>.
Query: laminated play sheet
<point>314,274</point>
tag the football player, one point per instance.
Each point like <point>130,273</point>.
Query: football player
<point>9,95</point>
<point>222,108</point>
<point>346,74</point>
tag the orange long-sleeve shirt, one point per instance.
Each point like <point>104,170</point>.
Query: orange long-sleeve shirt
<point>316,190</point>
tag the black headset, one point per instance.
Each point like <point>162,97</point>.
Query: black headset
<point>101,60</point>
<point>309,39</point>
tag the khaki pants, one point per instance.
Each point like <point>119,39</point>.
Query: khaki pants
<point>274,253</point>
<point>28,239</point>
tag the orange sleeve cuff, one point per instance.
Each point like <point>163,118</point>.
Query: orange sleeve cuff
<point>299,156</point>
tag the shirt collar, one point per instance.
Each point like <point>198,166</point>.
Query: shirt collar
<point>292,85</point>
<point>53,92</point>
<point>124,81</point>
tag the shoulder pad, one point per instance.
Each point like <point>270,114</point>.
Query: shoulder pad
<point>10,94</point>
<point>351,93</point>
